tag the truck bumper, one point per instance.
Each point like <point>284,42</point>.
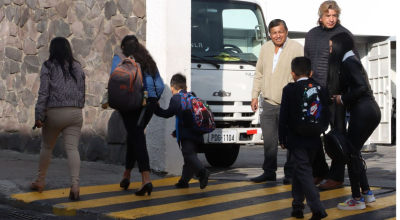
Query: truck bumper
<point>250,136</point>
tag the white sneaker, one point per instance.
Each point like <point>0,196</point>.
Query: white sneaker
<point>352,204</point>
<point>368,197</point>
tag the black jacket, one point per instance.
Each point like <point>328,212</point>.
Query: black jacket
<point>175,108</point>
<point>354,82</point>
<point>316,48</point>
<point>286,136</point>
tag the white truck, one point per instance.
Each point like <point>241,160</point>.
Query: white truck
<point>227,36</point>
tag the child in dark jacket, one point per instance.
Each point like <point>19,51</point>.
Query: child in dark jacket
<point>187,139</point>
<point>301,148</point>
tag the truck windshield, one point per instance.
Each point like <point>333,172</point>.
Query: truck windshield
<point>227,31</point>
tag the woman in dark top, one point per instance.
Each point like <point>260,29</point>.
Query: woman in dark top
<point>136,140</point>
<point>349,86</point>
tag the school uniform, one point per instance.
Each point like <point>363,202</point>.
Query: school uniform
<point>187,139</point>
<point>302,150</point>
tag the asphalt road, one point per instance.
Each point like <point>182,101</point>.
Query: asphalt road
<point>229,194</point>
<point>381,165</point>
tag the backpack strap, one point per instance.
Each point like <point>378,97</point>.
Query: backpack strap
<point>184,100</point>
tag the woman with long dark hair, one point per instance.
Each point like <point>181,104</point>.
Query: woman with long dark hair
<point>136,140</point>
<point>348,85</point>
<point>59,110</point>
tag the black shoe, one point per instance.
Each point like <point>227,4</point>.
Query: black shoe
<point>287,181</point>
<point>264,177</point>
<point>182,184</point>
<point>318,215</point>
<point>146,188</point>
<point>297,213</point>
<point>203,178</point>
<point>125,184</point>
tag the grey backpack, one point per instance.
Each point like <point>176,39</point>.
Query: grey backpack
<point>125,86</point>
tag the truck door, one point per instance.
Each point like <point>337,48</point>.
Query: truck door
<point>379,67</point>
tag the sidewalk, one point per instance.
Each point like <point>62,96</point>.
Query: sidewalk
<point>19,169</point>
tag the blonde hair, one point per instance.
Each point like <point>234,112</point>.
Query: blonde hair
<point>325,6</point>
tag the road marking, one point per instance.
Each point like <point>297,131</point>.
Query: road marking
<point>335,213</point>
<point>87,190</point>
<point>65,207</point>
<point>394,218</point>
<point>177,206</point>
<point>267,206</point>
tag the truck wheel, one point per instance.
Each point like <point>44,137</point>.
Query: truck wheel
<point>223,156</point>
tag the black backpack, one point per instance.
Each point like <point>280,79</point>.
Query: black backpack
<point>309,115</point>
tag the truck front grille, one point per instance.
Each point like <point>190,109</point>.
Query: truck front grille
<point>224,114</point>
<point>248,114</point>
<point>220,103</point>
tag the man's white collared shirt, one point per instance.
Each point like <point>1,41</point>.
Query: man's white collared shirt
<point>276,55</point>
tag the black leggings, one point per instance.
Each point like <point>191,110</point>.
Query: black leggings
<point>364,118</point>
<point>136,139</point>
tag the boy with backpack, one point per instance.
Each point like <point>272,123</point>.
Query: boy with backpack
<point>304,115</point>
<point>187,138</point>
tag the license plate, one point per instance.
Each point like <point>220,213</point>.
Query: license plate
<point>222,136</point>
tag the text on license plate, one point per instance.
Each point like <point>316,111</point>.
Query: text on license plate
<point>222,136</point>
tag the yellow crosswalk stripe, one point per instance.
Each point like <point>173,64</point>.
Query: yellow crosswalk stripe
<point>267,206</point>
<point>394,218</point>
<point>177,206</point>
<point>86,190</point>
<point>69,208</point>
<point>335,213</point>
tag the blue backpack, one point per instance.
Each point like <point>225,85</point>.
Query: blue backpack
<point>196,115</point>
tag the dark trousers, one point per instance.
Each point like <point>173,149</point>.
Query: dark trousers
<point>269,125</point>
<point>302,183</point>
<point>192,165</point>
<point>319,165</point>
<point>365,117</point>
<point>136,139</point>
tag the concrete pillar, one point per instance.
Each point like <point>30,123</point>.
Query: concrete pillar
<point>168,41</point>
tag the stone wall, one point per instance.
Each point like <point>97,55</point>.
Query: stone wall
<point>94,29</point>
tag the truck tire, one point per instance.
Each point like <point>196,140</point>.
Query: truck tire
<point>223,156</point>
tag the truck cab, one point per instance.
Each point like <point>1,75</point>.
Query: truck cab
<point>227,36</point>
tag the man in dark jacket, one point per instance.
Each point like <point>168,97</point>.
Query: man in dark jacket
<point>317,49</point>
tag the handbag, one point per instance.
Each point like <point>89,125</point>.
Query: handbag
<point>335,143</point>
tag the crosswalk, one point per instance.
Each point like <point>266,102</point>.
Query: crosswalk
<point>220,200</point>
